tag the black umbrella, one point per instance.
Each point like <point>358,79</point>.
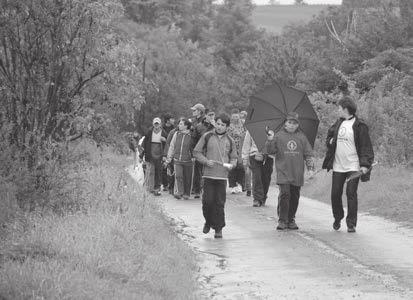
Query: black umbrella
<point>269,108</point>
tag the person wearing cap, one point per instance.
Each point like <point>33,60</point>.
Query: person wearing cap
<point>153,145</point>
<point>198,129</point>
<point>292,152</point>
<point>216,151</point>
<point>349,150</point>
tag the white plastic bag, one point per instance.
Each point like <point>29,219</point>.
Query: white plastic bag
<point>139,175</point>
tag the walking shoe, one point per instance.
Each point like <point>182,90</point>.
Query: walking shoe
<point>157,193</point>
<point>233,191</point>
<point>206,228</point>
<point>186,197</point>
<point>196,196</point>
<point>292,225</point>
<point>281,225</point>
<point>256,203</point>
<point>336,224</point>
<point>218,234</point>
<point>248,193</point>
<point>351,229</point>
<point>177,197</point>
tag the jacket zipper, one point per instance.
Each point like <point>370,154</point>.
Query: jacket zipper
<point>182,145</point>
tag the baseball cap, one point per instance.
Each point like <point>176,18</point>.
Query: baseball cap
<point>198,106</point>
<point>293,116</point>
<point>156,120</point>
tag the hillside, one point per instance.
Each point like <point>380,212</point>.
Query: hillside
<point>274,17</point>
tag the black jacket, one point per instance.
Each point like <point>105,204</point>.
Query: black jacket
<point>362,141</point>
<point>147,144</point>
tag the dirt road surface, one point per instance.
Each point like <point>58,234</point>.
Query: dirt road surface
<point>255,261</point>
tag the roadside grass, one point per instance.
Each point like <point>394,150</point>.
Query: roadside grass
<point>388,194</point>
<point>117,246</point>
<point>273,18</point>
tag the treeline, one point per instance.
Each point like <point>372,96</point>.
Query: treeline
<point>76,69</point>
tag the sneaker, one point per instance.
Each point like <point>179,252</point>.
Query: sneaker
<point>292,225</point>
<point>351,229</point>
<point>256,203</point>
<point>218,234</point>
<point>248,193</point>
<point>186,197</point>
<point>206,228</point>
<point>232,190</point>
<point>196,196</point>
<point>177,197</point>
<point>282,225</point>
<point>157,193</point>
<point>336,224</point>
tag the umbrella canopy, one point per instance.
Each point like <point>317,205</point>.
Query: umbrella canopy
<point>270,107</point>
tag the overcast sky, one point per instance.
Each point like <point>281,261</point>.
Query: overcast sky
<point>259,2</point>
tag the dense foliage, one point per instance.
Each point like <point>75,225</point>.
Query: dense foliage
<point>94,69</point>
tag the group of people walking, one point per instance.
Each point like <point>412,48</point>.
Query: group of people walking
<point>201,154</point>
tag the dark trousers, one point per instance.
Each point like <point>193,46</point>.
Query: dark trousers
<point>261,178</point>
<point>196,185</point>
<point>288,202</point>
<point>165,181</point>
<point>171,177</point>
<point>213,202</point>
<point>237,175</point>
<point>183,175</point>
<point>351,193</point>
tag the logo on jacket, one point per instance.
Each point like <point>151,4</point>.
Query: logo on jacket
<point>292,145</point>
<point>342,132</point>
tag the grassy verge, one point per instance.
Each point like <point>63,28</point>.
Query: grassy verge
<point>389,193</point>
<point>118,246</point>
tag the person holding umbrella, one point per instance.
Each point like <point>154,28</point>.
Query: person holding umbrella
<point>349,151</point>
<point>292,150</point>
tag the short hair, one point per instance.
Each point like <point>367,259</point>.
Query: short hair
<point>224,119</point>
<point>167,117</point>
<point>234,111</point>
<point>347,103</point>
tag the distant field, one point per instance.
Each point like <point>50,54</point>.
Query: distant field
<point>274,17</point>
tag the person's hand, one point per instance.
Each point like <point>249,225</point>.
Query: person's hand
<point>331,141</point>
<point>210,163</point>
<point>270,135</point>
<point>163,139</point>
<point>310,174</point>
<point>364,170</point>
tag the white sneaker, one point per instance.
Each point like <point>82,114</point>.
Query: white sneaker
<point>238,189</point>
<point>232,190</point>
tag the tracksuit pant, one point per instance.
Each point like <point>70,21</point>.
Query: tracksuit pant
<point>213,202</point>
<point>183,176</point>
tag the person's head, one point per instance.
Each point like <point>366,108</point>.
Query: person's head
<point>210,117</point>
<point>221,123</point>
<point>156,124</point>
<point>198,110</point>
<point>168,120</point>
<point>346,107</point>
<point>243,115</point>
<point>184,124</point>
<point>235,116</point>
<point>292,122</point>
